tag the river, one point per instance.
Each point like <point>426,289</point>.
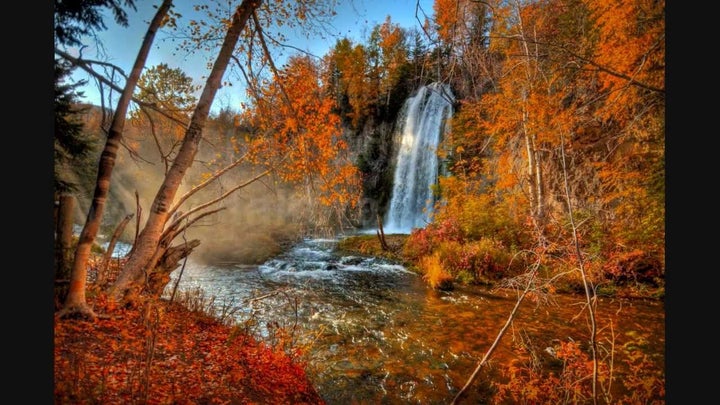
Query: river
<point>374,332</point>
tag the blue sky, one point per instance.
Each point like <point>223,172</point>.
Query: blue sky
<point>354,19</point>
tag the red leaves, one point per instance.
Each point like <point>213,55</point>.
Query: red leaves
<point>192,359</point>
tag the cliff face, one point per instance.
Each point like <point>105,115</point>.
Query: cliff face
<point>373,151</point>
<point>373,147</point>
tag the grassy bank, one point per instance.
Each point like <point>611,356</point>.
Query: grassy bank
<point>436,276</point>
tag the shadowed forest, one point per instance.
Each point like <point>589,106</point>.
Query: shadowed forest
<point>550,181</point>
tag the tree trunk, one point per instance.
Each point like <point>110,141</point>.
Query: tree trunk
<point>76,304</point>
<point>381,234</point>
<point>148,240</point>
<point>168,262</point>
<point>63,245</point>
<point>103,270</point>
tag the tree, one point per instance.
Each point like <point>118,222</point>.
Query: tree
<point>75,303</point>
<point>145,254</point>
<point>302,140</point>
<point>72,20</point>
<point>171,91</point>
<point>350,66</point>
<point>165,222</point>
<point>392,42</point>
<point>571,134</point>
<point>463,28</point>
<point>75,19</point>
<point>72,146</point>
<point>628,70</point>
<point>168,88</point>
<point>71,142</point>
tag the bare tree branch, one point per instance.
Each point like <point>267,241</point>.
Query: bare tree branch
<point>84,65</point>
<point>272,63</point>
<point>218,199</point>
<point>500,334</point>
<point>202,185</point>
<point>629,79</point>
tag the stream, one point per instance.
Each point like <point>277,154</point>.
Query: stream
<point>374,332</point>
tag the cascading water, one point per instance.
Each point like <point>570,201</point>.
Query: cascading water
<point>422,120</point>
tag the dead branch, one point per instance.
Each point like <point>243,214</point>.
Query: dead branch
<point>173,235</point>
<point>271,62</point>
<point>381,234</point>
<point>211,202</point>
<point>202,185</point>
<point>84,65</point>
<point>590,298</point>
<point>102,271</point>
<point>500,334</point>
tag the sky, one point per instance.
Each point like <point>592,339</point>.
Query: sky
<point>354,19</point>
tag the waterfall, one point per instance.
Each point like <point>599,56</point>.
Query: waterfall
<point>422,120</point>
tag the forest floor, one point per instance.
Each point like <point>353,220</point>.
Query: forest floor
<point>162,353</point>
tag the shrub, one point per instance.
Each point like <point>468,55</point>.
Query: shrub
<point>434,273</point>
<point>481,261</point>
<point>422,242</point>
<point>417,245</point>
<point>489,258</point>
<point>635,265</point>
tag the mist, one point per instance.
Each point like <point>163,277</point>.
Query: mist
<point>254,224</point>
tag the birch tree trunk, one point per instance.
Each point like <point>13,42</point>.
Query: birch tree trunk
<point>75,303</point>
<point>140,262</point>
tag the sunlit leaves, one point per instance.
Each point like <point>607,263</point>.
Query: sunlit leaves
<point>169,89</point>
<point>348,77</point>
<point>631,42</point>
<point>302,139</point>
<point>576,96</point>
<point>392,43</point>
<point>458,20</point>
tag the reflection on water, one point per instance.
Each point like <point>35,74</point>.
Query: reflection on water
<point>375,333</point>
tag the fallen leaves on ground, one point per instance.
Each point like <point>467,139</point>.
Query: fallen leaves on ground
<point>161,353</point>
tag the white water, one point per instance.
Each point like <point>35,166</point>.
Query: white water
<point>424,119</point>
<point>375,333</point>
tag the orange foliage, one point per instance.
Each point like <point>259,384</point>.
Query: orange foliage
<point>454,19</point>
<point>630,42</point>
<point>572,82</point>
<point>446,18</point>
<point>565,378</point>
<point>162,354</point>
<point>393,54</point>
<point>302,140</point>
<point>350,62</point>
<point>434,272</point>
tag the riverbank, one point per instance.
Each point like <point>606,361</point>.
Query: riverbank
<point>370,245</point>
<point>161,352</point>
<point>407,340</point>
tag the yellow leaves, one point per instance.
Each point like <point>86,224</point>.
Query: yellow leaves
<point>433,271</point>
